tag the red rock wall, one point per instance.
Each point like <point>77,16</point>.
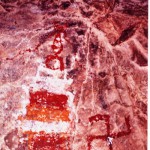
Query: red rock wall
<point>73,74</point>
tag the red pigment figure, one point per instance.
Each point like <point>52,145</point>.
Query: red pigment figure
<point>47,107</point>
<point>44,98</point>
<point>51,58</point>
<point>50,142</point>
<point>57,48</point>
<point>108,137</point>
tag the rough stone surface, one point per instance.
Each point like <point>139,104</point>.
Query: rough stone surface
<point>105,58</point>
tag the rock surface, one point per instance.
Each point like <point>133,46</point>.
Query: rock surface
<point>93,51</point>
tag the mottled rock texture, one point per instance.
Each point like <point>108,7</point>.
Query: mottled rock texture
<point>104,55</point>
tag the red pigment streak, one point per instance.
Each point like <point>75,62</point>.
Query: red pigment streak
<point>123,133</point>
<point>51,142</point>
<point>50,58</point>
<point>49,100</point>
<point>99,117</point>
<point>42,140</point>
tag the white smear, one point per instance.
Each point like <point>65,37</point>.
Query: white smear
<point>37,126</point>
<point>110,140</point>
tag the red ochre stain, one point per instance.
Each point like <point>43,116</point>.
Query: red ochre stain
<point>51,58</point>
<point>106,118</point>
<point>45,141</point>
<point>49,100</point>
<point>47,107</point>
<point>38,113</point>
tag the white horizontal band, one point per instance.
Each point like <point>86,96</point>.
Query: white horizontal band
<point>37,126</point>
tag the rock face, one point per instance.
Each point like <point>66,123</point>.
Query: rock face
<point>73,74</point>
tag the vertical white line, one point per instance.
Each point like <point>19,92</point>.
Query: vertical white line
<point>87,56</point>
